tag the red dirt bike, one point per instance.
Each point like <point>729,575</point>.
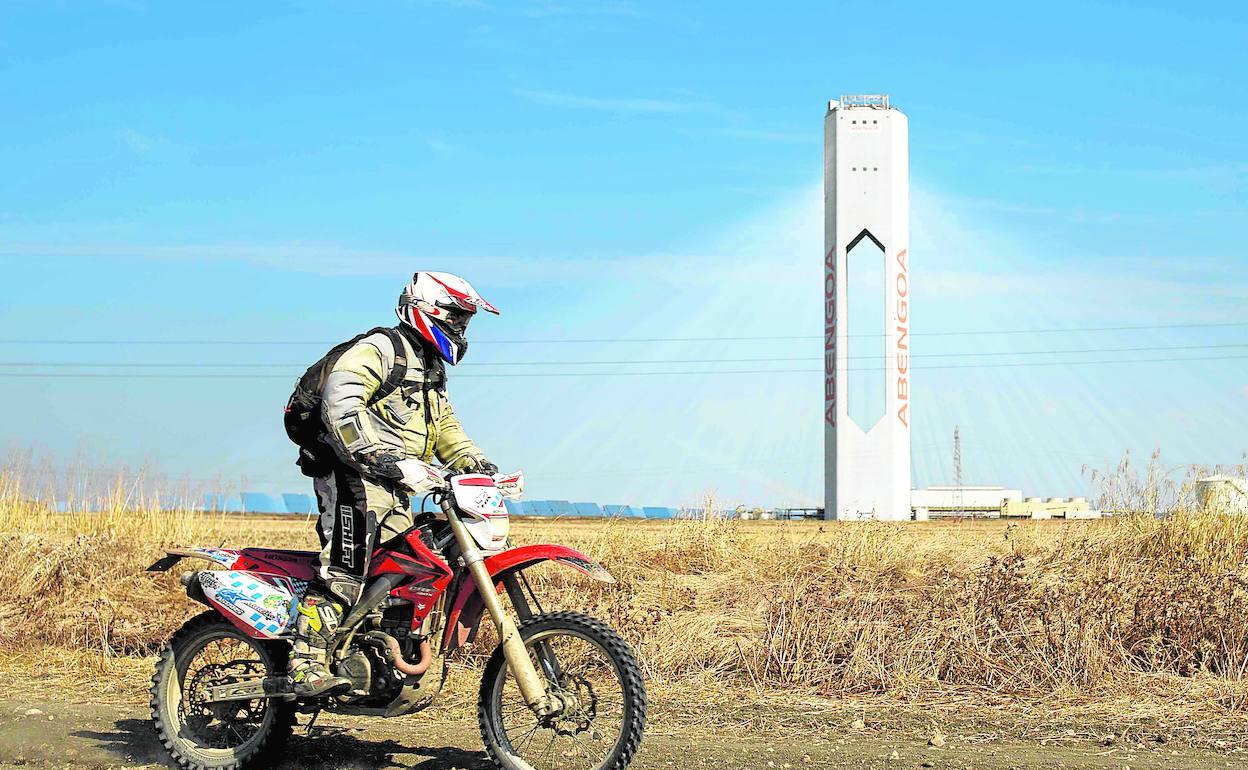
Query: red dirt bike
<point>561,690</point>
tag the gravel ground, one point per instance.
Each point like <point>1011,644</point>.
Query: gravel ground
<point>49,734</point>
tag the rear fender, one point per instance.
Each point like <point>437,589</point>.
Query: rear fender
<point>194,589</point>
<point>467,605</point>
<point>296,565</point>
<point>224,557</point>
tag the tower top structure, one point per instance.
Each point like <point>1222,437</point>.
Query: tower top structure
<point>861,101</point>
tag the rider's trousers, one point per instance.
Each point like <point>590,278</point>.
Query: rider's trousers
<point>356,515</point>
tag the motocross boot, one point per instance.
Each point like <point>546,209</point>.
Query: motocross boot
<point>309,672</point>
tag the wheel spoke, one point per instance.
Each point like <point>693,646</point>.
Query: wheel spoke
<point>580,744</point>
<point>550,743</point>
<point>226,724</point>
<point>524,739</point>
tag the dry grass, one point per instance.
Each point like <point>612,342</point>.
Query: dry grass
<point>1061,613</point>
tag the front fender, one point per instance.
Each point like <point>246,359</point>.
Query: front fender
<point>514,559</point>
<point>467,605</point>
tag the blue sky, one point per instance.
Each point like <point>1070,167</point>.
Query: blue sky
<point>273,172</point>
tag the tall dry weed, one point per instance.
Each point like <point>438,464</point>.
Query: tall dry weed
<point>903,610</point>
<point>76,577</point>
<point>1155,489</point>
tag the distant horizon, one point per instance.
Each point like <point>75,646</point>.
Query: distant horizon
<point>69,488</point>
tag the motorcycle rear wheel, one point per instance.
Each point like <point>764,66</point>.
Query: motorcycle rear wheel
<point>599,676</point>
<point>205,651</point>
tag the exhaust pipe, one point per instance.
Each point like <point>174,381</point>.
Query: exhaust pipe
<point>394,654</point>
<point>194,589</point>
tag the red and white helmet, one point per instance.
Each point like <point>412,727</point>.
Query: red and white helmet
<point>438,306</point>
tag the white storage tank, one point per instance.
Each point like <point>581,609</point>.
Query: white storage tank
<point>1223,494</point>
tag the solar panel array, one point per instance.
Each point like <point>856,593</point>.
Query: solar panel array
<point>301,504</point>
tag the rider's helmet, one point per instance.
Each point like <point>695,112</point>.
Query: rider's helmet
<point>438,306</point>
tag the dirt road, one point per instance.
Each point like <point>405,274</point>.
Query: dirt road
<point>58,735</point>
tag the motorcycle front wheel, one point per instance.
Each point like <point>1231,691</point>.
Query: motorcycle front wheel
<point>202,734</point>
<point>595,676</point>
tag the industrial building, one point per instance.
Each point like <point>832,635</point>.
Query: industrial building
<point>964,502</point>
<point>989,502</point>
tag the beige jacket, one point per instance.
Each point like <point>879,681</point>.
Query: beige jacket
<point>415,421</point>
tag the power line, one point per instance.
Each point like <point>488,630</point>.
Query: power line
<point>89,375</point>
<point>601,340</point>
<point>1064,330</point>
<point>205,365</point>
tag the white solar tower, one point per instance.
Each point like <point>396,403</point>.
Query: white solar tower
<point>867,415</point>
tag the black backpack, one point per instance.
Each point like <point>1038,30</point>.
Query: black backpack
<point>303,410</point>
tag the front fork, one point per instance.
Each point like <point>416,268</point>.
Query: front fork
<point>532,688</point>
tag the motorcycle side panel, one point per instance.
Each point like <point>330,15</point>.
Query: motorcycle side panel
<point>300,565</point>
<point>260,608</point>
<point>429,574</point>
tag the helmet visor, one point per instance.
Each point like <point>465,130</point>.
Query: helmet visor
<point>456,320</point>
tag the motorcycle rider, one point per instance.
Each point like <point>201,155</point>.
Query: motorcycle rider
<point>361,503</point>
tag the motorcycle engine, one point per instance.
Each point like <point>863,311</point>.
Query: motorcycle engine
<point>374,681</point>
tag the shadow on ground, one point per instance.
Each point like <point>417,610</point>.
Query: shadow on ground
<point>134,741</point>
